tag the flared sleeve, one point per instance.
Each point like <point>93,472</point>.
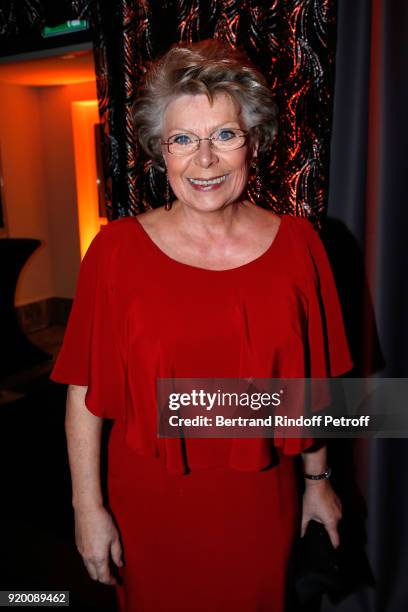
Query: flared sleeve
<point>328,349</point>
<point>90,354</point>
<point>327,353</point>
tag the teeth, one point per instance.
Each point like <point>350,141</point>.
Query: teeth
<point>204,183</point>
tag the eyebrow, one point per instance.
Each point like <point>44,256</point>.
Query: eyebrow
<point>183,130</point>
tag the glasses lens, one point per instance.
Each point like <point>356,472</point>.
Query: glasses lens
<point>225,139</point>
<point>182,144</point>
<point>228,139</point>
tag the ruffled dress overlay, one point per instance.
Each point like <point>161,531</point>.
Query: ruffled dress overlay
<point>206,524</point>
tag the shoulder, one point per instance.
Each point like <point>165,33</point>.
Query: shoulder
<point>114,234</point>
<point>115,242</point>
<point>303,232</point>
<point>299,224</point>
<point>118,229</point>
<point>306,245</point>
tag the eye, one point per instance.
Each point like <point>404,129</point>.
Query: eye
<point>181,139</point>
<point>225,134</point>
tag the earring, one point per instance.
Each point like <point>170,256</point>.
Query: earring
<point>168,204</point>
<point>258,180</point>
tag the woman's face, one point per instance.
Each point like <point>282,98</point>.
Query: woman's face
<point>195,115</point>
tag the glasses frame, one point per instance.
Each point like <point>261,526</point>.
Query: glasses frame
<point>210,139</point>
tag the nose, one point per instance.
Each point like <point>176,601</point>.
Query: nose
<point>205,156</point>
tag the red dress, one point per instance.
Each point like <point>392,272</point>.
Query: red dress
<point>207,526</point>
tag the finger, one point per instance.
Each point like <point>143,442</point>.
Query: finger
<point>103,572</point>
<point>91,570</point>
<point>334,536</point>
<point>116,552</point>
<point>304,527</point>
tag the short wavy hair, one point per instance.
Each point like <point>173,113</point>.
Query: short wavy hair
<point>208,67</point>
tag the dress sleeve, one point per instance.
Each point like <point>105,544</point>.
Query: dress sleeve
<point>329,354</point>
<point>327,351</point>
<point>90,354</point>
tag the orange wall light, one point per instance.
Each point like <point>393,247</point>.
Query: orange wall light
<point>84,117</point>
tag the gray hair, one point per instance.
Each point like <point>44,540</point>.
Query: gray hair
<point>208,67</point>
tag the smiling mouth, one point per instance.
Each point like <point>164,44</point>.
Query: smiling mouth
<point>207,182</point>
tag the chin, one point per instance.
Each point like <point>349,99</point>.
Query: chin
<point>210,201</point>
<point>210,204</point>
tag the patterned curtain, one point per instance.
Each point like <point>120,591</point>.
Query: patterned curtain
<point>17,18</point>
<point>20,17</point>
<point>291,41</point>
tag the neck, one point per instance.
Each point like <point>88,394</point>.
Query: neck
<point>213,224</point>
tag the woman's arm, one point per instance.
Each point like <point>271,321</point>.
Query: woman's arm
<point>320,502</point>
<point>96,535</point>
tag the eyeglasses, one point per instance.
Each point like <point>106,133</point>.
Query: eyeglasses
<point>224,139</point>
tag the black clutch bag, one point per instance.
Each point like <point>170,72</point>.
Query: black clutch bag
<point>319,568</point>
<point>316,568</point>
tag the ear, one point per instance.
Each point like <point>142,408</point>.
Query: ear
<point>162,165</point>
<point>253,151</point>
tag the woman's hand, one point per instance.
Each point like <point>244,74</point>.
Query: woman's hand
<point>97,540</point>
<point>320,503</point>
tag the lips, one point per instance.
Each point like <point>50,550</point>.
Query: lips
<point>208,182</point>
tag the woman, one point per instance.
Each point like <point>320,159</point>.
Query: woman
<point>210,286</point>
